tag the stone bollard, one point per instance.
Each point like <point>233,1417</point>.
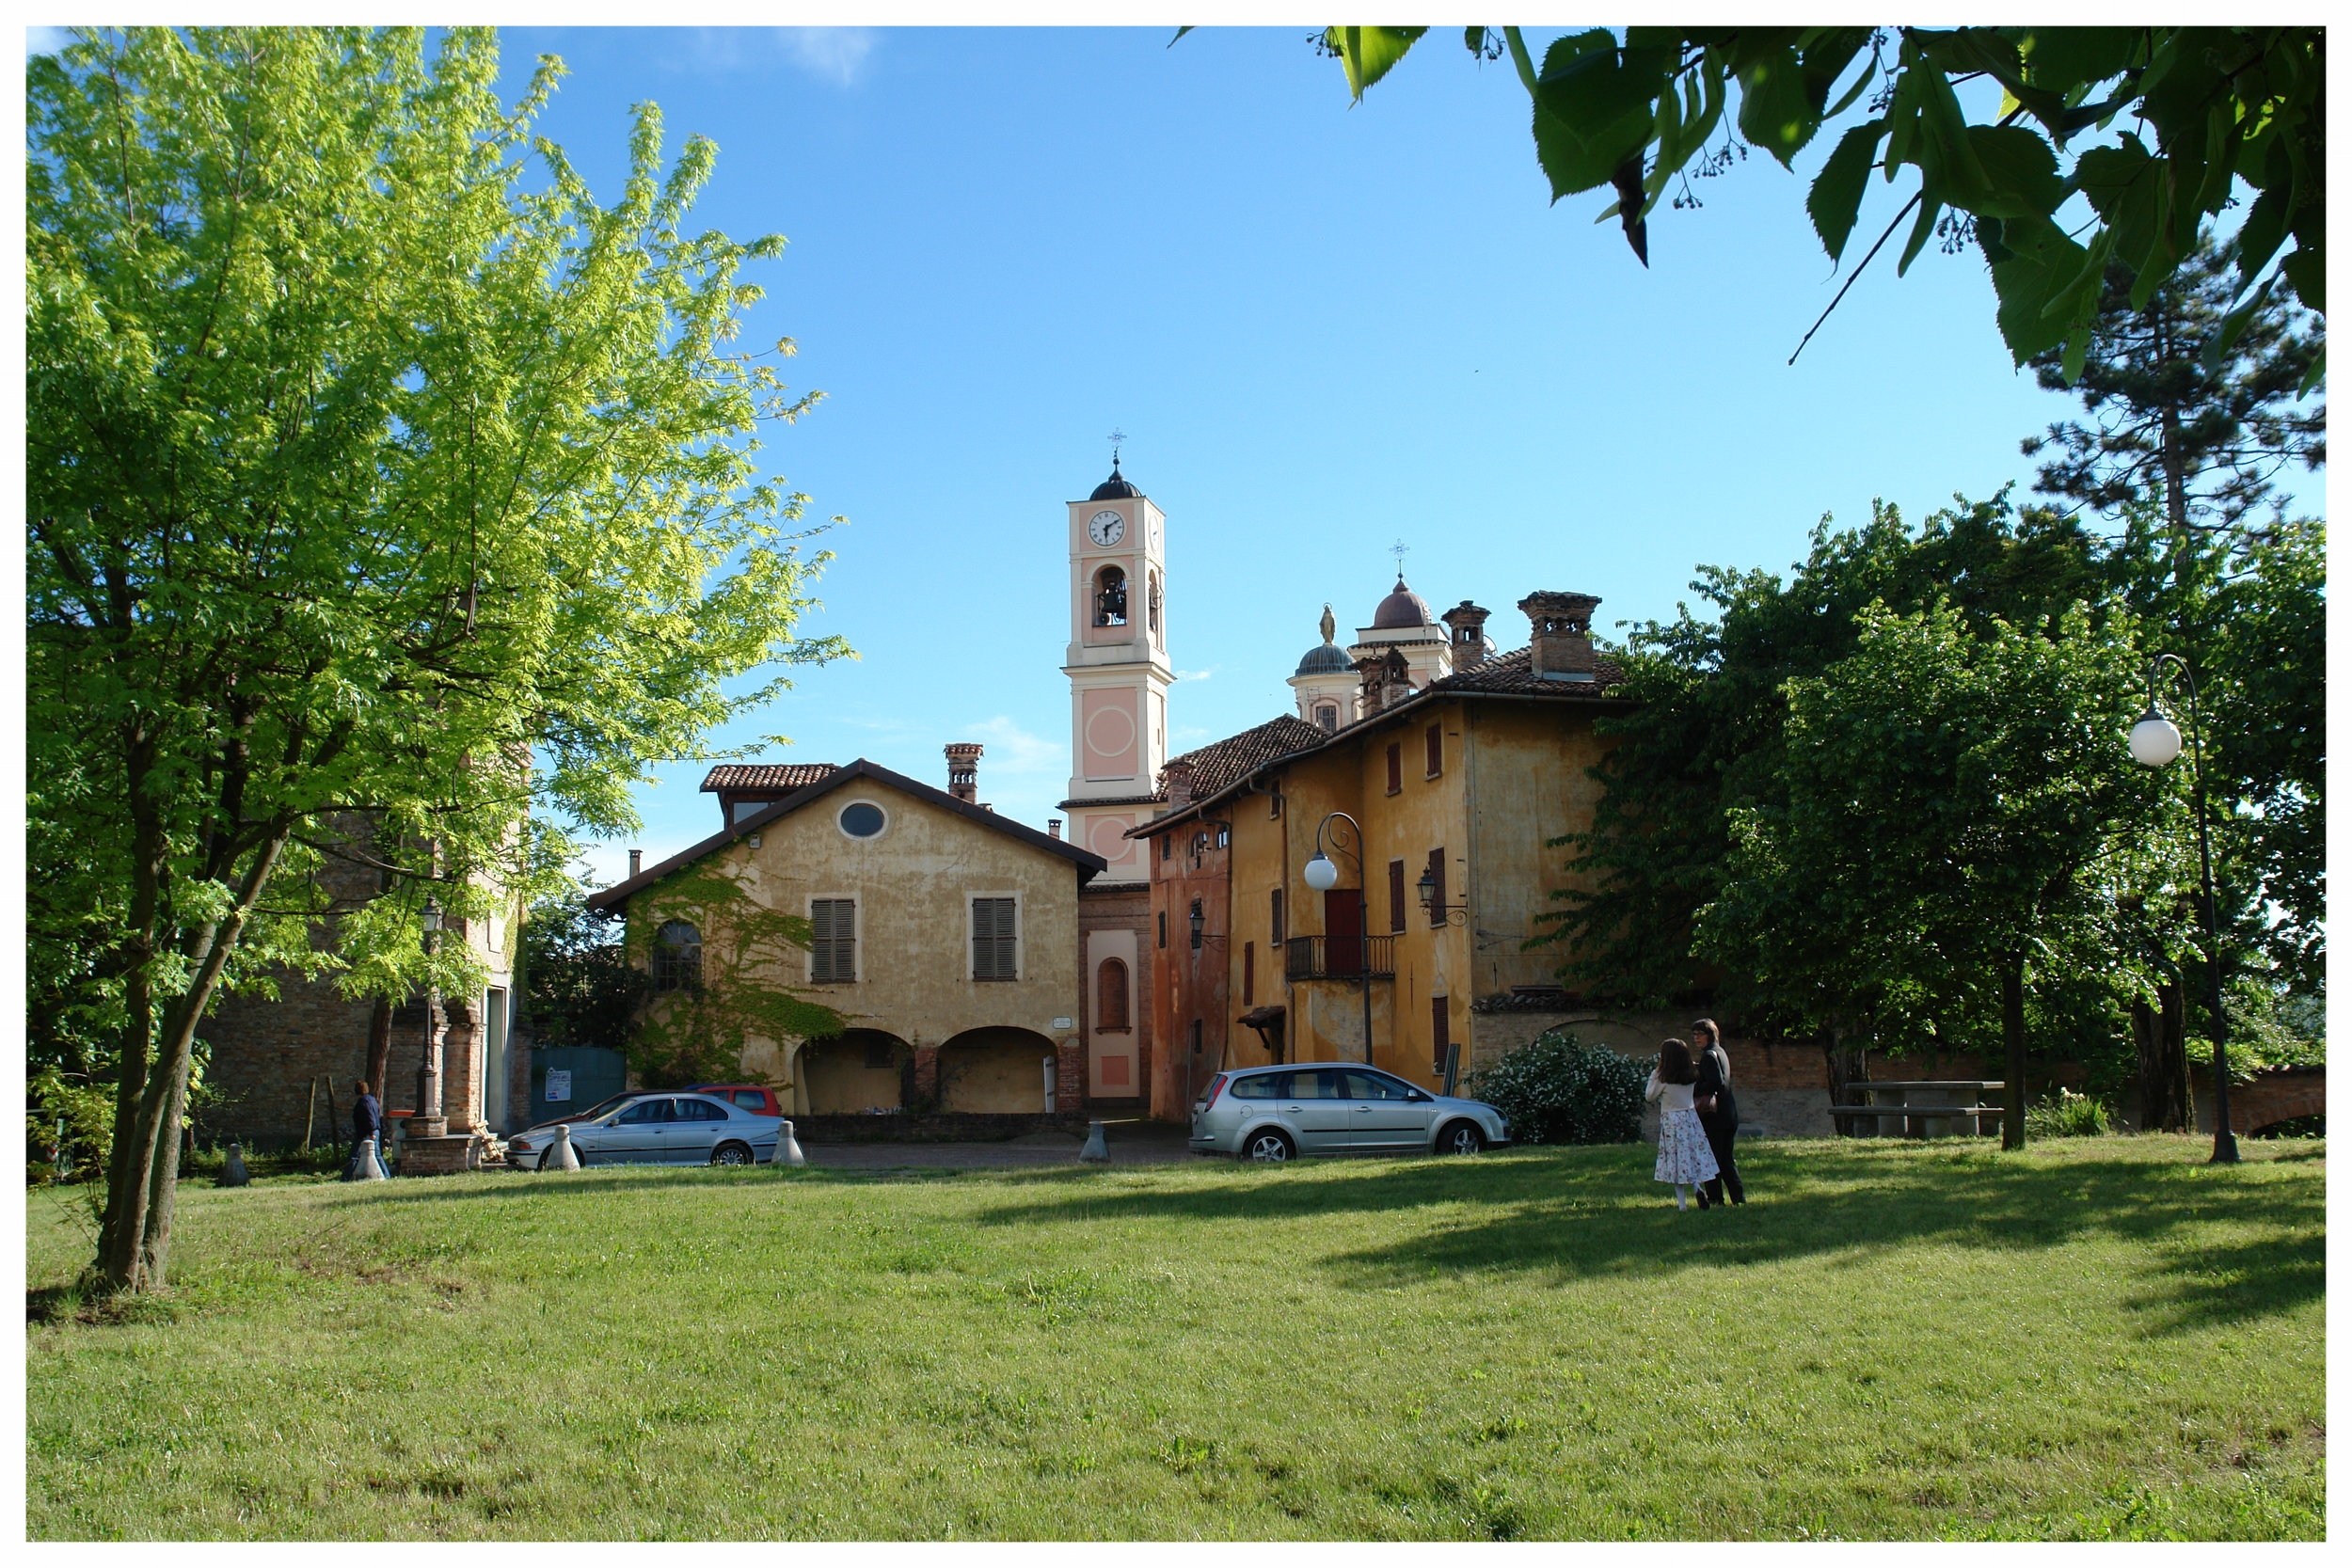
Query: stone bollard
<point>789,1147</point>
<point>1096,1151</point>
<point>561,1155</point>
<point>365,1165</point>
<point>233,1173</point>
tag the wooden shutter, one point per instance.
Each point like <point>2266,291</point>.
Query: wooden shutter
<point>1397,895</point>
<point>832,956</point>
<point>1278,935</point>
<point>1436,882</point>
<point>1439,1034</point>
<point>1436,750</point>
<point>1396,767</point>
<point>993,939</point>
<point>1248,974</point>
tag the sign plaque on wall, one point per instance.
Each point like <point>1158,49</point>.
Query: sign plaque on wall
<point>559,1083</point>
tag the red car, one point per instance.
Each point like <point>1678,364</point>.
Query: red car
<point>751,1097</point>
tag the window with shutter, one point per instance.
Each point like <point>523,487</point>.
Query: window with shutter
<point>832,956</point>
<point>1397,895</point>
<point>1396,767</point>
<point>1440,1034</point>
<point>1436,751</point>
<point>1278,935</point>
<point>1248,974</point>
<point>993,940</point>
<point>1437,883</point>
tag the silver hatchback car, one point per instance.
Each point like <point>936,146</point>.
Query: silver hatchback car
<point>1273,1113</point>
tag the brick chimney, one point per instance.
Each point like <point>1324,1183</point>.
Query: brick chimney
<point>1468,624</point>
<point>1178,775</point>
<point>636,861</point>
<point>963,770</point>
<point>1560,635</point>
<point>1053,827</point>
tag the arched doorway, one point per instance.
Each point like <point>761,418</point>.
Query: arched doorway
<point>854,1071</point>
<point>997,1070</point>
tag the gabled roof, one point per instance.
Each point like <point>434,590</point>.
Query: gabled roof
<point>1229,761</point>
<point>766,775</point>
<point>1510,675</point>
<point>1089,864</point>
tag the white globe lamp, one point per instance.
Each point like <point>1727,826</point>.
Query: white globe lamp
<point>2156,740</point>
<point>1321,874</point>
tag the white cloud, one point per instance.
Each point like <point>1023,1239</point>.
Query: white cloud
<point>1015,749</point>
<point>836,55</point>
<point>1194,675</point>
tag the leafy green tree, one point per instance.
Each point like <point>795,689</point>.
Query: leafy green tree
<point>578,987</point>
<point>1959,804</point>
<point>2224,108</point>
<point>1706,736</point>
<point>2174,417</point>
<point>377,474</point>
<point>707,1009</point>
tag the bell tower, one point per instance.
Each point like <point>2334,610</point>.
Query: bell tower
<point>1118,669</point>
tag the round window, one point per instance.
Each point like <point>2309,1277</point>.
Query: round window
<point>862,819</point>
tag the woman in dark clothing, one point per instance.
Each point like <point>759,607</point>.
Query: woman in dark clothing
<point>1719,1114</point>
<point>367,1121</point>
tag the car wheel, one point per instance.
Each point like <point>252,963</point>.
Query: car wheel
<point>1269,1148</point>
<point>730,1154</point>
<point>1460,1137</point>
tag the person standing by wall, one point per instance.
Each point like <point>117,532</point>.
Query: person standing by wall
<point>1718,1113</point>
<point>1683,1157</point>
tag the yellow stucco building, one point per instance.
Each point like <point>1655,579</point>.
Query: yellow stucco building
<point>945,934</point>
<point>1455,766</point>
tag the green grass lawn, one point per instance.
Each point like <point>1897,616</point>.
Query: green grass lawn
<point>2105,1337</point>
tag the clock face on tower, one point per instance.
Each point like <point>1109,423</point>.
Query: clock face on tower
<point>1107,528</point>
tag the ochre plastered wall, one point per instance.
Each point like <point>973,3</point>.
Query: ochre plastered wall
<point>913,884</point>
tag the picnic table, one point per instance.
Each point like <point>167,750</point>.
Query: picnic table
<point>1938,1107</point>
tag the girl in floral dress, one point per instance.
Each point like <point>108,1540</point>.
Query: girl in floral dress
<point>1683,1157</point>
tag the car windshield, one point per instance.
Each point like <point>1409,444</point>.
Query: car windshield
<point>602,1109</point>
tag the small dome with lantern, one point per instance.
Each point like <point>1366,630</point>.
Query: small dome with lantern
<point>1401,610</point>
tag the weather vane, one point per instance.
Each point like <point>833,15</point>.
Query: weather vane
<point>1398,550</point>
<point>1118,438</point>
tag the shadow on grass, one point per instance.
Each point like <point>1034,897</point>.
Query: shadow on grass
<point>1593,1211</point>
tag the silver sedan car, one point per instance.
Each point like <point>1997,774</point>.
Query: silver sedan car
<point>1273,1113</point>
<point>656,1130</point>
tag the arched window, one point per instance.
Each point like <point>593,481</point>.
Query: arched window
<point>1110,597</point>
<point>1110,997</point>
<point>678,957</point>
<point>1328,716</point>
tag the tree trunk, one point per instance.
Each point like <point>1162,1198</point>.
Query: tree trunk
<point>2013,1036</point>
<point>379,1046</point>
<point>136,1248</point>
<point>2160,1032</point>
<point>1844,1067</point>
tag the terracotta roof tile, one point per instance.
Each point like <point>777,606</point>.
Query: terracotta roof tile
<point>766,775</point>
<point>1510,672</point>
<point>1235,757</point>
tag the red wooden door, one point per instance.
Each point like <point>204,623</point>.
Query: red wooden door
<point>1343,930</point>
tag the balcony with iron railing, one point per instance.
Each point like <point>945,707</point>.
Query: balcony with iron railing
<point>1341,957</point>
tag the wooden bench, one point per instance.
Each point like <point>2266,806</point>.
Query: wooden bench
<point>1922,1099</point>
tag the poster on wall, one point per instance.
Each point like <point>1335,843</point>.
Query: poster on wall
<point>559,1083</point>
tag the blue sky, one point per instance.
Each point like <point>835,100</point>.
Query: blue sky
<point>1323,330</point>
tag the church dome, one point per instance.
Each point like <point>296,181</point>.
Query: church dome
<point>1402,609</point>
<point>1323,660</point>
<point>1114,488</point>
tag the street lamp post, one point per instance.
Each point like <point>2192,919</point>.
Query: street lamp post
<point>2156,740</point>
<point>1323,876</point>
<point>429,1068</point>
